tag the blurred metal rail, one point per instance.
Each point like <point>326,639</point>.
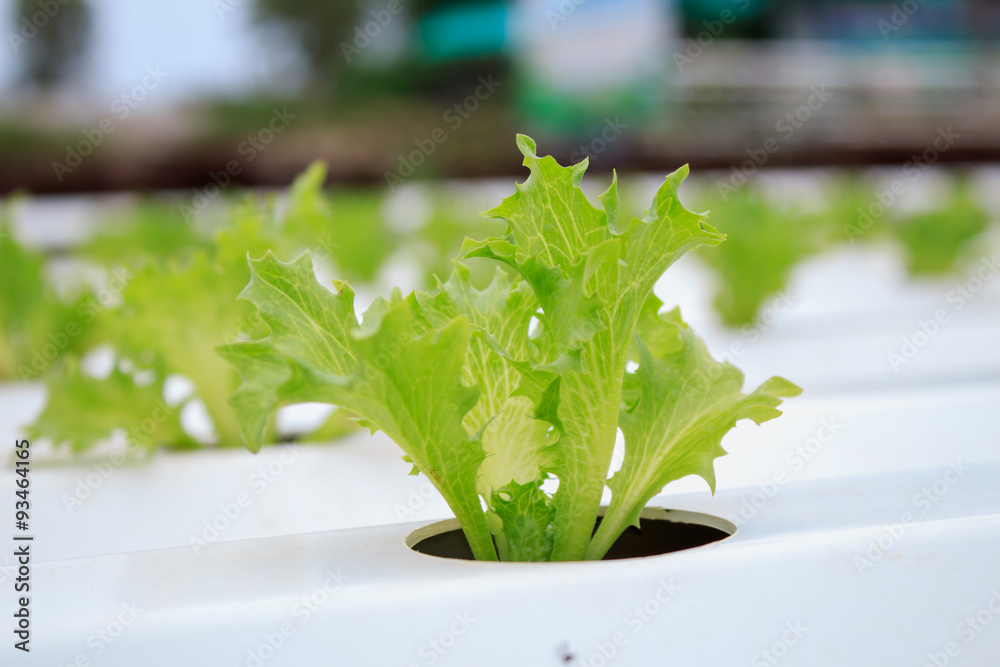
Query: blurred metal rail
<point>856,105</point>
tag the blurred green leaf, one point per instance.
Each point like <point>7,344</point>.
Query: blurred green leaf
<point>83,411</point>
<point>764,242</point>
<point>937,240</point>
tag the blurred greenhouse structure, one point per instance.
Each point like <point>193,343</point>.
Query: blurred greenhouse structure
<point>849,150</point>
<point>642,84</point>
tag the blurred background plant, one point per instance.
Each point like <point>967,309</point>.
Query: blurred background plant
<point>942,239</point>
<point>765,240</point>
<point>176,300</point>
<point>38,323</point>
<point>199,110</point>
<point>169,294</point>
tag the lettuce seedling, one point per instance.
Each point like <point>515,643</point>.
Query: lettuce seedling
<point>492,392</point>
<point>174,311</point>
<point>178,304</point>
<point>170,318</point>
<point>152,229</point>
<point>83,410</point>
<point>36,325</point>
<point>936,241</point>
<point>768,241</point>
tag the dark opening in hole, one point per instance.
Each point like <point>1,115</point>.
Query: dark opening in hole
<point>679,531</point>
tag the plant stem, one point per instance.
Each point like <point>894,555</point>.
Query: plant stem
<point>613,524</point>
<point>578,499</point>
<point>213,387</point>
<point>470,516</point>
<point>481,542</point>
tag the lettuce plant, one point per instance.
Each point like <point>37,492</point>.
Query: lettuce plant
<point>152,229</point>
<point>170,318</point>
<point>936,241</point>
<point>83,410</point>
<point>37,326</point>
<point>768,241</point>
<point>174,311</point>
<point>492,392</point>
<point>178,303</point>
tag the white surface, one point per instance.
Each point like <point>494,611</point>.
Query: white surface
<point>939,406</point>
<point>362,480</point>
<point>863,447</point>
<point>844,314</point>
<point>800,564</point>
<point>91,506</point>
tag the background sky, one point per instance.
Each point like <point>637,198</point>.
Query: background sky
<point>203,49</point>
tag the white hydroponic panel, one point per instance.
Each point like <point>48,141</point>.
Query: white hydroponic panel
<point>851,319</point>
<point>867,518</point>
<point>90,506</point>
<point>895,569</point>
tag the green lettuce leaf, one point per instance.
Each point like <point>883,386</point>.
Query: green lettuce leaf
<point>499,318</point>
<point>490,393</point>
<point>524,515</point>
<point>686,402</point>
<point>83,411</point>
<point>936,241</point>
<point>397,381</point>
<point>766,242</point>
<point>175,309</point>
<point>592,275</point>
<point>37,327</point>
